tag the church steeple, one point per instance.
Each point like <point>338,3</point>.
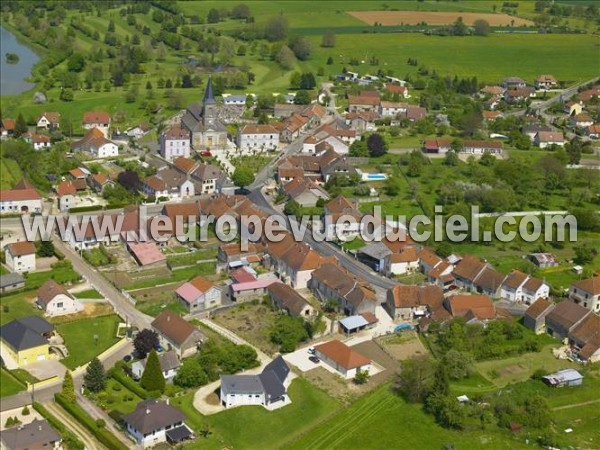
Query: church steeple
<point>209,99</point>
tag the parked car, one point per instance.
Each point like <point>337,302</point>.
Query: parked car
<point>314,359</point>
<point>311,350</point>
<point>127,358</point>
<point>159,348</point>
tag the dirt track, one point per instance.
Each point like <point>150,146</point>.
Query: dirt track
<point>435,18</point>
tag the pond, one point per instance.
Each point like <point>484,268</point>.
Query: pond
<point>12,76</point>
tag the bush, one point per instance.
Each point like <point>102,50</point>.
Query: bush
<point>117,387</point>
<point>100,423</point>
<point>104,436</point>
<point>118,375</point>
<point>25,411</point>
<point>86,208</point>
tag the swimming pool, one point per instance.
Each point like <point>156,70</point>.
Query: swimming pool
<point>374,176</point>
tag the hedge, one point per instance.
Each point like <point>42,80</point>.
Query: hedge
<point>86,208</point>
<point>72,441</point>
<point>102,434</point>
<point>118,375</point>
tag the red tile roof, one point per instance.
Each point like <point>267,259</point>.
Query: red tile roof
<point>15,195</point>
<point>21,248</point>
<point>343,355</point>
<point>92,117</point>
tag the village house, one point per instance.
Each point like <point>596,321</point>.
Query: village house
<point>564,318</point>
<point>305,192</point>
<point>137,131</point>
<point>25,341</point>
<point>581,121</point>
<point>392,109</point>
<point>545,139</point>
<point>11,282</point>
<point>211,179</point>
<point>513,83</point>
<point>406,261</point>
<point>467,270</point>
<point>7,127</point>
<point>49,120</point>
<point>593,131</point>
<point>586,293</point>
<point>573,108</point>
<point>341,208</point>
<point>67,195</point>
<point>363,103</point>
<point>439,146</point>
<point>23,200</point>
<point>481,147</point>
<point>99,120</point>
<point>178,334</point>
<point>589,94</point>
<point>490,116</point>
<point>401,91</point>
<point>520,287</point>
<point>491,91</point>
<point>546,82</point>
<point>346,361</point>
<point>362,121</point>
<point>199,294</point>
<point>584,339</point>
<point>257,138</point>
<point>289,300</point>
<point>55,300</point>
<point>20,256</point>
<point>234,100</point>
<point>169,365</point>
<point>292,127</point>
<point>535,316</point>
<point>408,301</point>
<point>268,389</point>
<point>296,265</point>
<point>533,129</point>
<point>518,95</point>
<point>155,421</point>
<point>174,142</point>
<point>354,296</point>
<point>441,274</point>
<point>35,435</point>
<point>168,183</point>
<point>41,142</point>
<point>492,103</point>
<point>96,143</point>
<point>474,308</point>
<point>98,182</point>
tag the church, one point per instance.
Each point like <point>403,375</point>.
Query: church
<point>202,121</point>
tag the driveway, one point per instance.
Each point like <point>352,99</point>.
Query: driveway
<point>43,370</point>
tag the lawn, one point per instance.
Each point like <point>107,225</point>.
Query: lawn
<point>381,419</point>
<point>80,338</point>
<point>155,302</point>
<point>189,259</point>
<point>519,368</point>
<point>177,275</point>
<point>10,173</point>
<point>17,306</point>
<point>584,420</point>
<point>255,427</point>
<point>9,385</point>
<point>89,293</point>
<point>61,275</point>
<point>116,397</point>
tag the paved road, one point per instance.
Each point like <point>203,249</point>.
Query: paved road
<point>122,305</point>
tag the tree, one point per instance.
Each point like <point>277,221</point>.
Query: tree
<point>482,27</point>
<point>68,387</point>
<point>66,95</point>
<point>213,16</point>
<point>359,148</point>
<point>190,374</point>
<point>145,341</point>
<point>46,249</point>
<point>285,57</point>
<point>301,48</point>
<point>242,177</point>
<point>292,208</point>
<point>584,254</point>
<point>111,27</point>
<point>361,377</point>
<point>328,39</point>
<point>20,125</point>
<point>287,332</point>
<point>302,98</point>
<point>415,378</point>
<point>152,378</point>
<point>487,159</point>
<point>329,61</point>
<point>459,28</point>
<point>76,62</point>
<point>451,158</point>
<point>95,376</point>
<point>457,364</point>
<point>240,11</point>
<point>277,28</point>
<point>376,145</point>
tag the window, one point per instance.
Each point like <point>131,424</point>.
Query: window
<point>59,305</point>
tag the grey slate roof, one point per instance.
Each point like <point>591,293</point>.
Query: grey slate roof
<point>25,333</point>
<point>270,381</point>
<point>273,387</point>
<point>242,384</point>
<point>11,279</point>
<point>151,415</point>
<point>376,250</point>
<point>168,360</point>
<point>34,435</point>
<point>279,367</point>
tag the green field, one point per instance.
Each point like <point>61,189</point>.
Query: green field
<point>79,338</point>
<point>61,275</point>
<point>17,306</point>
<point>90,293</point>
<point>9,385</point>
<point>253,427</point>
<point>10,173</point>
